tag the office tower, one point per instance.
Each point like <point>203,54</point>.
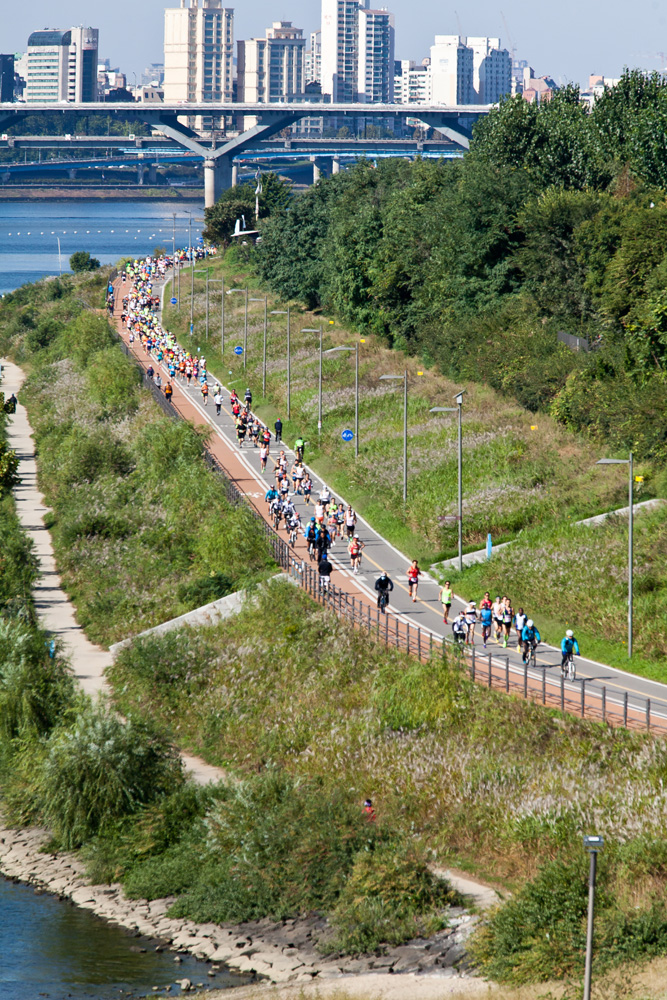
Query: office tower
<point>492,69</point>
<point>62,65</point>
<point>451,71</point>
<point>313,59</point>
<point>7,78</point>
<point>375,75</point>
<point>199,55</point>
<point>271,69</point>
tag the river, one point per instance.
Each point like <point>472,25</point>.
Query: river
<point>49,948</point>
<point>30,230</point>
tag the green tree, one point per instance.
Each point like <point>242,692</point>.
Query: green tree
<point>240,201</point>
<point>82,261</point>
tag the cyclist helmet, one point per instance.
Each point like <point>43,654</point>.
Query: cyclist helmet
<point>569,633</point>
<point>530,623</point>
<point>312,519</point>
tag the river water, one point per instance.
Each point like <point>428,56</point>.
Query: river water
<point>108,230</point>
<point>49,948</point>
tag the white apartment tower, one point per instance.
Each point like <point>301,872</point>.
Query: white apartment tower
<point>357,52</point>
<point>451,71</point>
<point>413,84</point>
<point>199,52</point>
<point>272,69</point>
<point>492,69</point>
<point>375,76</point>
<point>62,65</point>
<point>313,64</point>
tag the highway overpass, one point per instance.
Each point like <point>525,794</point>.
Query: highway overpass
<point>178,122</point>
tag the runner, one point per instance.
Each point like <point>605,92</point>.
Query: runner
<point>445,597</point>
<point>414,573</point>
<point>486,619</point>
<point>169,391</point>
<point>471,621</point>
<point>508,616</point>
<point>306,488</point>
<point>217,399</point>
<point>498,610</point>
<point>355,548</point>
<point>520,620</point>
<point>204,392</point>
<point>350,521</point>
<point>263,457</point>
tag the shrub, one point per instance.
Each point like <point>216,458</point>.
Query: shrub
<point>100,770</point>
<point>82,261</point>
<point>113,382</point>
<point>420,694</point>
<point>389,897</point>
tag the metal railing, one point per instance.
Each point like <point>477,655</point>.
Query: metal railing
<point>578,697</point>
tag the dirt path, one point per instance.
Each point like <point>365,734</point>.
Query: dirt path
<point>55,611</point>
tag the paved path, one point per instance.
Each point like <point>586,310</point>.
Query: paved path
<point>243,466</point>
<point>56,613</point>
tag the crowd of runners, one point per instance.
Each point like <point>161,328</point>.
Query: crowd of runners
<point>332,522</point>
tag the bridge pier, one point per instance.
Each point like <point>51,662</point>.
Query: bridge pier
<point>317,171</point>
<point>218,176</point>
<point>71,173</point>
<point>152,173</point>
<point>235,175</point>
<point>335,165</point>
<point>140,173</point>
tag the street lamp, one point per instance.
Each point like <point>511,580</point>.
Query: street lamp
<point>243,291</point>
<point>222,313</point>
<point>200,270</point>
<point>405,427</point>
<point>286,312</point>
<point>629,462</point>
<point>333,350</point>
<point>457,409</point>
<point>265,300</point>
<point>319,408</point>
<point>592,845</point>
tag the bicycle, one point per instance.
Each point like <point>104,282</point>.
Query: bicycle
<point>293,532</point>
<point>383,601</point>
<point>532,656</point>
<point>569,668</point>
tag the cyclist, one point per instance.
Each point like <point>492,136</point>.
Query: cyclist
<point>354,548</point>
<point>414,573</point>
<point>299,445</point>
<point>294,527</point>
<point>486,619</point>
<point>278,429</point>
<point>460,629</point>
<point>310,535</point>
<point>530,638</point>
<point>271,495</point>
<point>383,586</point>
<point>568,646</point>
<point>445,596</point>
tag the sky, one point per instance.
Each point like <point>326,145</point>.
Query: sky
<point>567,40</point>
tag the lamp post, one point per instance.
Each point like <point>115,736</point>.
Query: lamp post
<point>200,270</point>
<point>404,377</point>
<point>457,409</point>
<point>629,462</point>
<point>214,281</point>
<point>593,845</point>
<point>319,405</point>
<point>244,291</point>
<point>265,300</point>
<point>333,350</point>
<point>286,312</point>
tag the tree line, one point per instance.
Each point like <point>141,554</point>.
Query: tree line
<point>554,222</point>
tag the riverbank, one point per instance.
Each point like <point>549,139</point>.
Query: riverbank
<point>138,192</point>
<point>280,952</point>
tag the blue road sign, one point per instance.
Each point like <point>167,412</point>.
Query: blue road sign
<point>347,435</point>
<point>489,546</point>
<point>173,301</point>
<point>238,350</point>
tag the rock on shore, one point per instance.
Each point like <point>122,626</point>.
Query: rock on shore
<point>280,952</point>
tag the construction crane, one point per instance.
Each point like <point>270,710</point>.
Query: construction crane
<point>509,37</point>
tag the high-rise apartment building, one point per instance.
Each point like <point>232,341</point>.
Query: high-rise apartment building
<point>357,52</point>
<point>313,59</point>
<point>271,69</point>
<point>7,78</point>
<point>62,65</point>
<point>451,71</point>
<point>492,69</point>
<point>412,83</point>
<point>375,75</point>
<point>199,54</point>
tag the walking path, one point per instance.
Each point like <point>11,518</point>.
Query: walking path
<point>55,611</point>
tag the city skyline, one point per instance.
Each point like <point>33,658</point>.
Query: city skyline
<point>568,43</point>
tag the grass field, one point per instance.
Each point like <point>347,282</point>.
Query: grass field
<point>520,469</point>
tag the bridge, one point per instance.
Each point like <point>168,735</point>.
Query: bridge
<point>218,152</point>
<point>148,152</point>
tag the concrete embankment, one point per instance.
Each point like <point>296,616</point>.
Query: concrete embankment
<point>281,952</point>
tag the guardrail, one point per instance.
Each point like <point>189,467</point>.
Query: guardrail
<point>578,697</point>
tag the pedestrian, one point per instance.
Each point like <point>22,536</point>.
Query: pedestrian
<point>369,811</point>
<point>325,569</point>
<point>279,429</point>
<point>169,391</point>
